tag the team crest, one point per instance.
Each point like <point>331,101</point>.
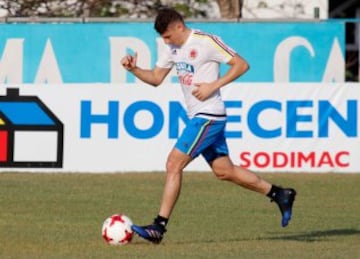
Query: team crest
<point>193,54</point>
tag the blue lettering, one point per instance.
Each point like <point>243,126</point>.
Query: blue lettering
<point>253,120</point>
<point>153,130</point>
<point>176,112</point>
<point>182,66</point>
<point>233,118</point>
<point>111,119</point>
<point>297,112</point>
<point>327,112</point>
<point>292,119</point>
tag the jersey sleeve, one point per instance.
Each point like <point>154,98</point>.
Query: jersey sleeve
<point>165,59</point>
<point>220,52</point>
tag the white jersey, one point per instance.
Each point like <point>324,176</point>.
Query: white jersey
<point>197,61</point>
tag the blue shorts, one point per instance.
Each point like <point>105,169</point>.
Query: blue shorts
<point>205,137</point>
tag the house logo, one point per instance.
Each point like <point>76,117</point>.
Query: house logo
<point>30,133</point>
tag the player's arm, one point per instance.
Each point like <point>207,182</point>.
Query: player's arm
<point>238,67</point>
<point>153,76</point>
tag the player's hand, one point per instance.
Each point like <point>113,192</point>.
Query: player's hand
<point>129,62</point>
<point>203,90</point>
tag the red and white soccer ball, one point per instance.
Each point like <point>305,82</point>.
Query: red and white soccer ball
<point>116,230</point>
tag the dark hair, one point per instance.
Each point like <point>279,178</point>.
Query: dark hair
<point>166,16</point>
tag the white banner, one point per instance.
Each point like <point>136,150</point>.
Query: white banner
<point>358,41</point>
<point>123,128</point>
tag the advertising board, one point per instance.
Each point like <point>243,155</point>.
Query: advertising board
<point>132,127</point>
<point>91,52</point>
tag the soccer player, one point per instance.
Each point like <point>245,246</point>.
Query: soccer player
<point>196,56</point>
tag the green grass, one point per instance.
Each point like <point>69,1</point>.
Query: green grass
<point>60,216</point>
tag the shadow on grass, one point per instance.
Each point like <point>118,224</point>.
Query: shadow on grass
<point>313,236</point>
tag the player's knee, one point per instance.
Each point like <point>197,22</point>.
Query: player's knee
<point>222,177</point>
<point>172,165</point>
<point>176,161</point>
<point>223,168</point>
<point>224,174</point>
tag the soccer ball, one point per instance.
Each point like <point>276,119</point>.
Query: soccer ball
<point>116,230</point>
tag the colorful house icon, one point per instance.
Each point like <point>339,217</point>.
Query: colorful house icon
<point>30,133</point>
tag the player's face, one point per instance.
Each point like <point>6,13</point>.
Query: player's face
<point>173,34</point>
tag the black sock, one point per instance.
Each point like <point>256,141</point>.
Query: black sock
<point>274,191</point>
<point>159,220</point>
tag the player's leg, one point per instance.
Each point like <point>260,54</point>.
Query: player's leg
<point>224,169</point>
<point>188,146</point>
<point>197,136</point>
<point>217,156</point>
<point>176,162</point>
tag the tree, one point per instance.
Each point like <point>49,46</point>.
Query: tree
<point>102,8</point>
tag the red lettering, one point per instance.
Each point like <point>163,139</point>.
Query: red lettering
<point>338,158</point>
<point>293,160</point>
<point>280,159</point>
<point>186,79</point>
<point>325,159</point>
<point>262,156</point>
<point>299,160</point>
<point>305,158</point>
<point>245,159</point>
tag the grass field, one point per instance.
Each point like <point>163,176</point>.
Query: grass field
<point>60,216</point>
